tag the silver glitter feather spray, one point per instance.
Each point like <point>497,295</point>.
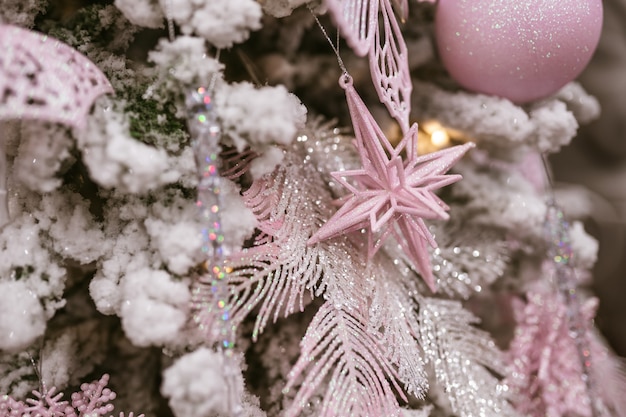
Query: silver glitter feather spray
<point>214,317</point>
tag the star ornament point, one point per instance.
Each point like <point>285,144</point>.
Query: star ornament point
<point>392,195</point>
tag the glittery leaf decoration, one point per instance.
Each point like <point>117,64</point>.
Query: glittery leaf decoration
<point>43,78</point>
<point>371,28</point>
<point>337,344</point>
<point>280,268</point>
<point>93,400</point>
<point>391,315</point>
<point>464,359</point>
<point>546,373</point>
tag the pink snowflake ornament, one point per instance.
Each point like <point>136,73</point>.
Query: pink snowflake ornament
<point>391,195</point>
<point>45,79</point>
<point>370,27</point>
<point>93,400</point>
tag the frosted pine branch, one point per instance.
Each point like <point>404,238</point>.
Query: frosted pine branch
<point>497,124</point>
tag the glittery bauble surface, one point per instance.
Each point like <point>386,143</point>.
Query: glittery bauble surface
<point>522,50</point>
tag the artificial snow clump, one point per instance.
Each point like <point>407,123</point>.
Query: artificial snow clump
<point>42,150</point>
<point>72,228</point>
<point>585,247</point>
<point>487,120</point>
<point>497,124</point>
<point>195,385</point>
<point>154,307</point>
<point>182,63</point>
<point>555,126</point>
<point>128,254</point>
<point>265,163</point>
<point>515,206</point>
<point>222,22</point>
<point>175,243</point>
<point>584,106</point>
<point>251,406</point>
<point>281,8</point>
<point>173,228</point>
<point>23,12</point>
<point>115,159</point>
<point>259,117</point>
<point>146,13</point>
<point>22,318</point>
<point>238,220</point>
<point>71,354</point>
<point>26,258</point>
<point>16,370</point>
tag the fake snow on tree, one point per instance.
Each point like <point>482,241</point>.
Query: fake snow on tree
<point>221,22</point>
<point>195,385</point>
<point>22,318</point>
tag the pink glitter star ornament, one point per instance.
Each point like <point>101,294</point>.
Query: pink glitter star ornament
<point>43,78</point>
<point>391,195</point>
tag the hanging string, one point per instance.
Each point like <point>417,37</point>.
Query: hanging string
<point>330,42</point>
<point>170,23</point>
<point>38,373</point>
<point>213,79</point>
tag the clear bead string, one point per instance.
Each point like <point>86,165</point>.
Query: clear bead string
<point>561,254</point>
<point>334,47</point>
<point>170,22</point>
<point>206,133</point>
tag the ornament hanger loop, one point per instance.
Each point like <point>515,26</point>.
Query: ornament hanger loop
<point>345,81</point>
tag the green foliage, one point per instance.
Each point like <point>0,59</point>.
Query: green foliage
<point>154,123</point>
<point>96,25</point>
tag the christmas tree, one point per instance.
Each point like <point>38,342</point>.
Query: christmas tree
<point>335,208</point>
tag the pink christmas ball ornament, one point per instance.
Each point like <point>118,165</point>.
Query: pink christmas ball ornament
<point>522,50</point>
